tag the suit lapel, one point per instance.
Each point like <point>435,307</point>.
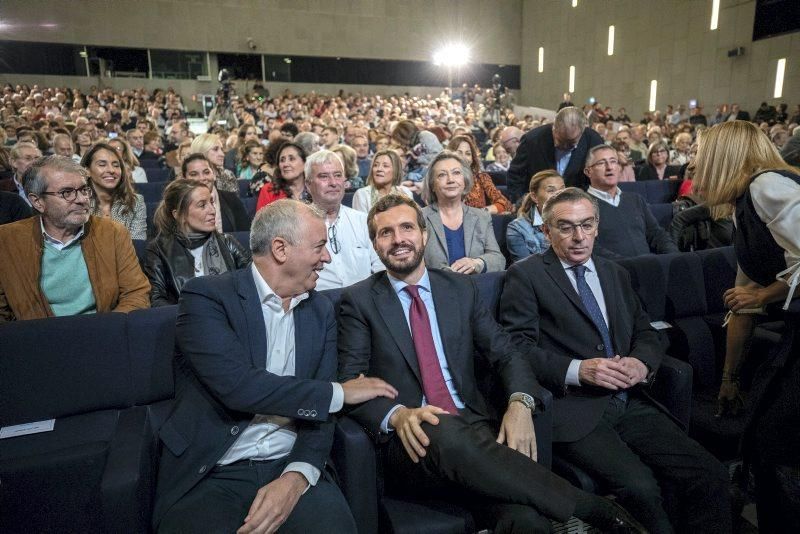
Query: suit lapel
<point>449,326</point>
<point>302,340</point>
<point>254,317</point>
<point>555,270</point>
<point>391,312</point>
<point>469,223</point>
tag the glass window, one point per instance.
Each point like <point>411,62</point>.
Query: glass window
<point>241,66</point>
<point>118,62</point>
<point>175,64</point>
<point>20,57</point>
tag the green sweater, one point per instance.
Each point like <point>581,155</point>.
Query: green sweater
<point>65,280</point>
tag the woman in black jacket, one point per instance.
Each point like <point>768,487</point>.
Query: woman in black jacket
<point>187,243</point>
<point>655,167</point>
<point>231,213</point>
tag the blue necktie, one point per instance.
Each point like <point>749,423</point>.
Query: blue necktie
<point>590,303</point>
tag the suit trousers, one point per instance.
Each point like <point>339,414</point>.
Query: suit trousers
<point>220,502</point>
<point>634,449</point>
<point>464,463</point>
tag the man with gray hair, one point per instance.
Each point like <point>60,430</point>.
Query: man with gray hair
<point>64,261</point>
<point>561,146</point>
<point>62,146</point>
<point>309,141</point>
<point>246,444</point>
<point>352,255</point>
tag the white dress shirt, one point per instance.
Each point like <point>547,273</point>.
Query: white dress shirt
<point>270,437</point>
<point>356,258</point>
<point>593,281</point>
<point>606,197</point>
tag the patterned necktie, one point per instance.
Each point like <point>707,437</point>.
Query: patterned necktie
<point>590,303</point>
<point>433,385</point>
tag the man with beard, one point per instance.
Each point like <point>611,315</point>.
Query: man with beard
<point>418,330</point>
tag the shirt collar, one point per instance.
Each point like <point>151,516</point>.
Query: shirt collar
<point>602,195</point>
<point>266,295</point>
<point>398,285</point>
<point>537,217</point>
<point>589,264</point>
<point>53,241</point>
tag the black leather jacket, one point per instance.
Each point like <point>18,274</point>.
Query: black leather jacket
<point>168,265</point>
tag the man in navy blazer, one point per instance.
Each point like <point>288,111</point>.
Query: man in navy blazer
<point>591,343</point>
<point>246,443</point>
<point>561,146</point>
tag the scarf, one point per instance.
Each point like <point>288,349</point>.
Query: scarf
<point>213,262</point>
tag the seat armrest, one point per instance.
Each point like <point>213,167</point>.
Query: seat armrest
<point>129,477</point>
<point>672,387</point>
<point>353,457</point>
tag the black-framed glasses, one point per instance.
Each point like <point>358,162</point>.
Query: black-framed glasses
<point>332,239</point>
<point>70,193</point>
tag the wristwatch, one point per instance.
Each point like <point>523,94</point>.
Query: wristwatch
<point>524,398</point>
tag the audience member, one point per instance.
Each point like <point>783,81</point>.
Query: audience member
<point>352,257</point>
<point>738,114</point>
<point>524,235</point>
<point>12,208</point>
<point>656,167</point>
<point>501,159</point>
<point>131,162</point>
<point>288,180</point>
<point>419,330</point>
<point>233,157</point>
<point>250,160</point>
<point>483,194</point>
<point>385,177</point>
<point>587,337</point>
<point>309,141</point>
<point>462,238</point>
<point>112,190</point>
<point>231,215</point>
<point>680,154</point>
<point>420,148</point>
<point>329,137</point>
<point>561,146</point>
<point>187,243</point>
<point>254,405</point>
<point>210,146</point>
<point>360,144</point>
<point>626,227</point>
<point>510,138</point>
<point>62,146</point>
<point>64,261</point>
<point>22,155</point>
<point>82,140</point>
<point>135,138</point>
<point>348,156</point>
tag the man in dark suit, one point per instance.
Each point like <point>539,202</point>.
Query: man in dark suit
<point>562,146</point>
<point>597,354</point>
<point>247,440</point>
<point>418,329</point>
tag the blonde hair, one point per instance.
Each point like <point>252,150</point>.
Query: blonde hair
<point>533,188</point>
<point>728,155</point>
<point>348,157</point>
<point>203,143</point>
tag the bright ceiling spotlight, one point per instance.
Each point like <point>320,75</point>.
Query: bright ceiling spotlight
<point>452,55</point>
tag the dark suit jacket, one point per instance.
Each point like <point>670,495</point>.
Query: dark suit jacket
<point>12,207</point>
<point>537,152</point>
<point>221,352</point>
<point>540,308</point>
<point>374,339</point>
<point>234,214</point>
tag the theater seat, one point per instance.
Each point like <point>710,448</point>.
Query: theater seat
<point>151,191</point>
<point>243,238</point>
<point>157,174</point>
<point>500,223</point>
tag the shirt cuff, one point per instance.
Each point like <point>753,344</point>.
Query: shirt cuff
<point>337,399</point>
<point>385,423</point>
<point>572,378</point>
<point>310,472</point>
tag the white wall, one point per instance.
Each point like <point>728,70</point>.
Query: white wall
<point>669,41</point>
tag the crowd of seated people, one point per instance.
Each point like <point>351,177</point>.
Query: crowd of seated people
<point>69,210</point>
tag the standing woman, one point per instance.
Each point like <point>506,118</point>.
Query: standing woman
<point>524,235</point>
<point>460,238</point>
<point>738,166</point>
<point>114,195</point>
<point>210,145</point>
<point>385,176</point>
<point>187,243</point>
<point>483,193</point>
<point>289,179</point>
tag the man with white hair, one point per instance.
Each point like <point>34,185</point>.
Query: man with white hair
<point>561,146</point>
<point>352,255</point>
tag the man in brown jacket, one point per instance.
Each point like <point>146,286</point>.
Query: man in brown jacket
<point>64,261</point>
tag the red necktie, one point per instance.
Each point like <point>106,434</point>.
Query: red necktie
<point>433,385</point>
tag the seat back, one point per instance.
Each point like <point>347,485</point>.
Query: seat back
<point>151,191</point>
<point>663,213</point>
<point>243,238</point>
<point>500,223</point>
<point>157,175</point>
<point>151,346</point>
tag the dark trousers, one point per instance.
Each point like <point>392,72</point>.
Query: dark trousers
<point>464,463</point>
<point>633,448</point>
<point>220,502</point>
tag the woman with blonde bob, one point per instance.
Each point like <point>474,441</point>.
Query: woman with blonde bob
<point>210,145</point>
<point>187,243</point>
<point>738,166</point>
<point>385,177</point>
<point>524,235</point>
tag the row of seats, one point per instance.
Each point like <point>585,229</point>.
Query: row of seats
<point>108,381</point>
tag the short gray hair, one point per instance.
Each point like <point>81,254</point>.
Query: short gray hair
<point>308,140</point>
<point>428,193</point>
<point>570,117</point>
<point>321,157</point>
<point>570,194</point>
<point>279,219</point>
<point>593,150</point>
<point>34,181</point>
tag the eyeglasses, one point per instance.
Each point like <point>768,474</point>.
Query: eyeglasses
<point>605,163</point>
<point>566,229</point>
<point>332,239</point>
<point>70,194</point>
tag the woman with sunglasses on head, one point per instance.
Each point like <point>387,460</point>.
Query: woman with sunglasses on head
<point>187,243</point>
<point>112,186</point>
